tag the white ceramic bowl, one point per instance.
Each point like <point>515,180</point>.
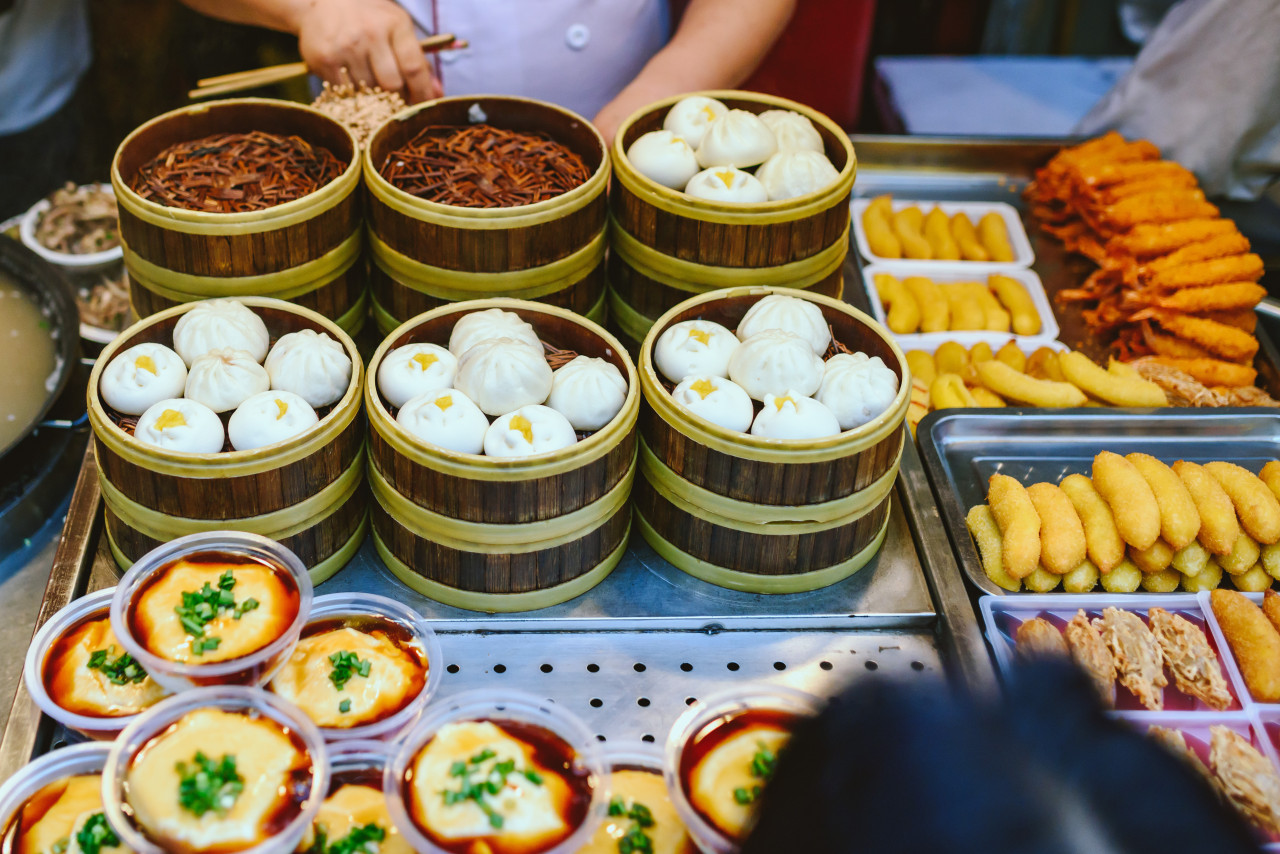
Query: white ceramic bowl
<point>86,263</point>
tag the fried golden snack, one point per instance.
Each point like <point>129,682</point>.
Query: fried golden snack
<point>1138,659</point>
<point>1179,519</point>
<point>937,230</point>
<point>986,533</point>
<point>1122,369</point>
<point>917,404</point>
<point>1042,581</point>
<point>1164,581</point>
<point>1207,579</point>
<point>981,352</point>
<point>1039,638</point>
<point>903,314</point>
<point>922,366</point>
<point>935,313</point>
<point>1191,559</point>
<point>1219,527</point>
<point>966,313</point>
<point>1043,365</point>
<point>1270,475</point>
<point>1082,579</point>
<point>1019,524</point>
<point>951,358</point>
<point>1256,505</point>
<point>1254,642</point>
<point>947,391</point>
<point>1091,653</point>
<point>1270,560</point>
<point>1102,539</point>
<point>1255,580</point>
<point>1130,498</point>
<point>997,317</point>
<point>1155,558</point>
<point>987,398</point>
<point>1148,240</point>
<point>966,236</point>
<point>1012,356</point>
<point>1225,297</point>
<point>1123,578</point>
<point>1014,385</point>
<point>1062,543</point>
<point>1219,339</point>
<point>907,226</point>
<point>1247,778</point>
<point>995,238</point>
<point>1244,555</point>
<point>1095,380</point>
<point>1211,372</point>
<point>1271,608</point>
<point>1011,293</point>
<point>1216,271</point>
<point>1190,658</point>
<point>877,224</point>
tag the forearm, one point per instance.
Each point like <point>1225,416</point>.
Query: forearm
<point>282,15</point>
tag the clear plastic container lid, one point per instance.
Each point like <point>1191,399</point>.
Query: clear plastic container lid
<point>340,605</point>
<point>255,668</point>
<point>94,605</point>
<point>498,706</point>
<point>55,765</point>
<point>229,698</point>
<point>696,719</point>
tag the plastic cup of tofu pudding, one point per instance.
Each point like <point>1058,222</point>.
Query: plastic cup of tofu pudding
<point>215,608</point>
<point>754,722</point>
<point>362,657</point>
<point>514,772</point>
<point>22,792</point>
<point>355,800</point>
<point>81,676</point>
<point>638,788</point>
<point>230,769</point>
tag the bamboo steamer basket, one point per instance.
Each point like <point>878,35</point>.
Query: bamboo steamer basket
<point>766,515</point>
<point>308,492</point>
<point>666,246</point>
<point>427,254</point>
<point>306,251</point>
<point>509,534</point>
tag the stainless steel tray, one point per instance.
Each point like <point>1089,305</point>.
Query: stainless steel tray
<point>962,449</point>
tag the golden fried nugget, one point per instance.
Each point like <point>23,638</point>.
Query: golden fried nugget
<point>935,313</point>
<point>1155,558</point>
<point>1130,498</point>
<point>1043,364</point>
<point>903,315</point>
<point>995,238</point>
<point>1256,506</point>
<point>1270,559</point>
<point>937,230</point>
<point>1255,580</point>
<point>1244,555</point>
<point>877,224</point>
<point>947,391</point>
<point>1191,559</point>
<point>966,314</point>
<point>1039,638</point>
<point>1014,297</point>
<point>1254,642</point>
<point>980,352</point>
<point>1123,578</point>
<point>986,533</point>
<point>908,225</point>
<point>951,358</point>
<point>1042,581</point>
<point>966,236</point>
<point>987,398</point>
<point>1139,661</point>
<point>1062,543</point>
<point>1191,660</point>
<point>1246,776</point>
<point>1270,475</point>
<point>1164,581</point>
<point>1023,388</point>
<point>1205,580</point>
<point>1095,380</point>
<point>998,319</point>
<point>1271,608</point>
<point>922,366</point>
<point>1012,356</point>
<point>1218,525</point>
<point>1179,519</point>
<point>1082,579</point>
<point>1091,653</point>
<point>1102,538</point>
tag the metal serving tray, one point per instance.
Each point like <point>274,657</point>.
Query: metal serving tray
<point>961,449</point>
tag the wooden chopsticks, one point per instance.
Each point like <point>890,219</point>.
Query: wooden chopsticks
<point>224,84</point>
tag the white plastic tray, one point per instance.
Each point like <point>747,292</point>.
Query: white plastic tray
<point>947,273</point>
<point>1026,345</point>
<point>1022,253</point>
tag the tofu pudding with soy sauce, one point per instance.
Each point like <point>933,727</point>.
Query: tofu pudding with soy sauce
<point>496,787</point>
<point>208,607</point>
<point>640,817</point>
<point>353,671</point>
<point>218,781</point>
<point>87,672</point>
<point>65,816</point>
<point>354,818</point>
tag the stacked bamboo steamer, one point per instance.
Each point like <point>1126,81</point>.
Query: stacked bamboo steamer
<point>306,492</point>
<point>503,534</point>
<point>426,254</point>
<point>307,251</point>
<point>766,515</point>
<point>666,246</point>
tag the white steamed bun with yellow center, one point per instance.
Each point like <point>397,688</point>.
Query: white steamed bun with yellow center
<point>141,376</point>
<point>529,430</point>
<point>793,416</point>
<point>694,347</point>
<point>414,370</point>
<point>180,425</point>
<point>664,157</point>
<point>727,184</point>
<point>446,418</point>
<point>690,117</point>
<point>718,400</point>
<point>269,417</point>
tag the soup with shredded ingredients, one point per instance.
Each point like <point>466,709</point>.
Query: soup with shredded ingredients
<point>29,357</point>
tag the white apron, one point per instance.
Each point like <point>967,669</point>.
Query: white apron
<point>575,53</point>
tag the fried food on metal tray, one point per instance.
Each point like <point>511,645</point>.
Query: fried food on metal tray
<point>1191,660</point>
<point>1139,662</point>
<point>1228,296</point>
<point>1131,500</point>
<point>1039,638</point>
<point>1102,538</point>
<point>1090,652</point>
<point>1179,519</point>
<point>1247,777</point>
<point>1256,505</point>
<point>1233,268</point>
<point>1062,542</point>
<point>1219,527</point>
<point>1153,239</point>
<point>1227,342</point>
<point>1210,372</point>
<point>986,533</point>
<point>1019,524</point>
<point>1254,642</point>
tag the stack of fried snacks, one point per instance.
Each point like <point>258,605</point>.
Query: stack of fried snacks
<point>919,304</point>
<point>911,233</point>
<point>1176,282</point>
<point>1135,522</point>
<point>955,377</point>
<point>1253,634</point>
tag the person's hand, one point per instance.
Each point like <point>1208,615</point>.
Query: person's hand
<point>372,40</point>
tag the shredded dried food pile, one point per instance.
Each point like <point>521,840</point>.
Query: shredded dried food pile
<point>236,172</point>
<point>79,220</point>
<point>361,109</point>
<point>481,166</point>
